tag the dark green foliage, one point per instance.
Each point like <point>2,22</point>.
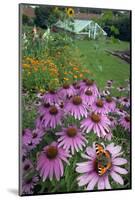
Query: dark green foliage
<point>27,20</point>
<point>44,16</point>
<point>124,27</point>
<point>116,24</point>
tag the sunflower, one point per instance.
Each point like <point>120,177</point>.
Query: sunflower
<point>70,12</point>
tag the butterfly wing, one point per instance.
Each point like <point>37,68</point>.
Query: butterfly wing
<point>101,169</point>
<point>99,149</point>
<point>102,154</point>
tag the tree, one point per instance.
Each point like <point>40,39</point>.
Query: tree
<point>27,20</point>
<point>116,24</point>
<point>44,16</point>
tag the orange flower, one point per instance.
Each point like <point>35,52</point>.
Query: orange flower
<point>75,76</point>
<point>81,75</point>
<point>35,69</point>
<point>75,68</point>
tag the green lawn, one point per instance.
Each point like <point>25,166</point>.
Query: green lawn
<point>103,65</point>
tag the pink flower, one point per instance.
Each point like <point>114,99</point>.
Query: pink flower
<point>105,93</point>
<point>51,118</point>
<point>120,89</point>
<point>113,122</point>
<point>27,166</point>
<point>99,166</point>
<point>125,101</point>
<point>120,112</point>
<point>110,104</point>
<point>28,184</point>
<point>71,138</point>
<point>88,97</point>
<point>99,106</point>
<point>43,108</point>
<point>77,87</point>
<point>66,91</point>
<point>51,97</point>
<point>34,138</point>
<point>98,123</point>
<point>76,107</point>
<point>26,136</point>
<point>124,121</point>
<point>50,162</point>
<point>89,85</point>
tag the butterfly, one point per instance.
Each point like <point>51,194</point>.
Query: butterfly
<point>103,159</point>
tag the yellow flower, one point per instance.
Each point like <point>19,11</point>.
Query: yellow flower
<point>65,78</point>
<point>42,90</point>
<point>70,12</point>
<point>29,73</point>
<point>25,65</point>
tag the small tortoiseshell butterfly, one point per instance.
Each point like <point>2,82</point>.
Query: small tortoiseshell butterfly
<point>103,159</point>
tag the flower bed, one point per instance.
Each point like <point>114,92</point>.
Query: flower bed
<point>79,140</point>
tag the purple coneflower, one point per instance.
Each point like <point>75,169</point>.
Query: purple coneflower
<point>98,123</point>
<point>51,97</point>
<point>77,87</point>
<point>71,138</point>
<point>108,136</point>
<point>124,121</point>
<point>120,89</point>
<point>110,81</point>
<point>34,138</point>
<point>105,93</point>
<point>109,166</point>
<point>26,136</point>
<point>28,184</point>
<point>113,122</point>
<point>40,95</point>
<point>26,166</point>
<point>110,104</point>
<point>37,135</point>
<point>125,101</point>
<point>99,106</point>
<point>66,91</point>
<point>52,117</point>
<point>50,161</point>
<point>88,97</point>
<point>76,107</point>
<point>43,108</point>
<point>117,99</point>
<point>37,103</point>
<point>120,112</point>
<point>39,122</point>
<point>109,85</point>
<point>90,85</point>
<point>24,152</point>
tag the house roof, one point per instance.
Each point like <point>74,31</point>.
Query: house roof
<point>75,26</point>
<point>28,11</point>
<point>86,16</point>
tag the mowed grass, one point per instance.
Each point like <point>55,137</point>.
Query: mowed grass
<point>103,65</point>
